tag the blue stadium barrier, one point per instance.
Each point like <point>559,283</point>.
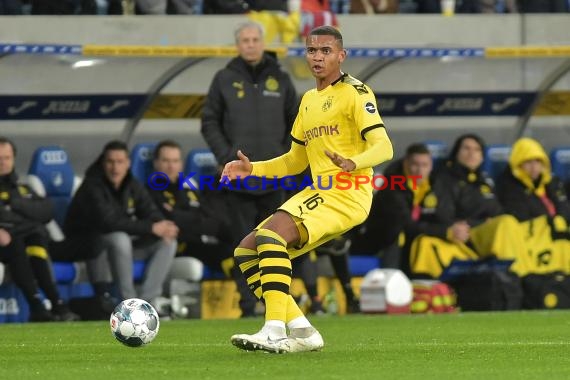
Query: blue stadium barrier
<point>65,272</point>
<point>560,162</point>
<point>459,268</point>
<point>138,270</point>
<point>212,274</point>
<point>360,265</point>
<point>13,305</point>
<point>79,290</point>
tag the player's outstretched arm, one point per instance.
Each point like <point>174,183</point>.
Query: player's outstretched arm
<point>378,149</point>
<point>291,163</point>
<point>237,168</point>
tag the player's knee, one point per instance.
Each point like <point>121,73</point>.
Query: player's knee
<point>265,236</point>
<point>247,243</point>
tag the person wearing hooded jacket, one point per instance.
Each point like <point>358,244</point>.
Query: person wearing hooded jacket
<point>529,191</point>
<point>112,220</point>
<point>479,228</point>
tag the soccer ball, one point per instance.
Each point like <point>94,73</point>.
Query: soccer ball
<point>134,322</point>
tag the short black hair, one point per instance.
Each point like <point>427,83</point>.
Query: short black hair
<point>6,140</point>
<point>327,30</point>
<point>457,145</point>
<point>114,145</point>
<point>417,148</point>
<point>165,144</point>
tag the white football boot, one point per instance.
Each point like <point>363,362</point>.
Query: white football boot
<point>305,339</point>
<point>268,339</point>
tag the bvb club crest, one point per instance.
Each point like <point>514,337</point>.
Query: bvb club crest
<point>327,104</point>
<point>271,84</point>
<point>239,87</point>
<point>430,201</point>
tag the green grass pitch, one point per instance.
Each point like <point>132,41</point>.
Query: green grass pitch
<point>518,345</point>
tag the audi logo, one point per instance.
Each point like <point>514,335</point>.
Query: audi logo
<point>204,159</point>
<point>53,157</point>
<point>145,154</point>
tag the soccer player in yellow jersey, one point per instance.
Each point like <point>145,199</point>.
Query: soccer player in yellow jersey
<point>338,132</point>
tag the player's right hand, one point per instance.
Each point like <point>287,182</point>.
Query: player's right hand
<point>5,237</point>
<point>237,168</point>
<point>165,229</point>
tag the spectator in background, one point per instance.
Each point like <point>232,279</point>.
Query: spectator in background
<point>201,218</point>
<point>222,7</point>
<point>315,13</point>
<point>268,5</point>
<point>22,217</point>
<point>151,7</point>
<point>10,7</point>
<point>116,217</point>
<point>186,7</point>
<point>374,6</point>
<point>528,190</point>
<point>251,104</point>
<point>543,6</point>
<point>64,7</point>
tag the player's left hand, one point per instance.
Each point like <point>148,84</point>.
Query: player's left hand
<point>346,164</point>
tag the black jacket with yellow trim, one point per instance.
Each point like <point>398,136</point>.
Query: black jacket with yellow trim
<point>194,213</point>
<point>471,195</point>
<point>249,108</point>
<point>521,202</point>
<point>21,209</point>
<point>98,208</point>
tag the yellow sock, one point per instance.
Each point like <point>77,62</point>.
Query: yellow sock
<point>275,269</point>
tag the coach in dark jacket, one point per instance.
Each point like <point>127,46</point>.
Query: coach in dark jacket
<point>251,106</point>
<point>115,213</point>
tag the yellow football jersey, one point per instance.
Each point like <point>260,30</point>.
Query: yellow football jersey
<point>336,119</point>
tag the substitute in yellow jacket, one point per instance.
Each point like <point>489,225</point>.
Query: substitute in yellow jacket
<point>528,190</point>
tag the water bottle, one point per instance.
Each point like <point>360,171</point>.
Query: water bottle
<point>448,7</point>
<point>331,301</point>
